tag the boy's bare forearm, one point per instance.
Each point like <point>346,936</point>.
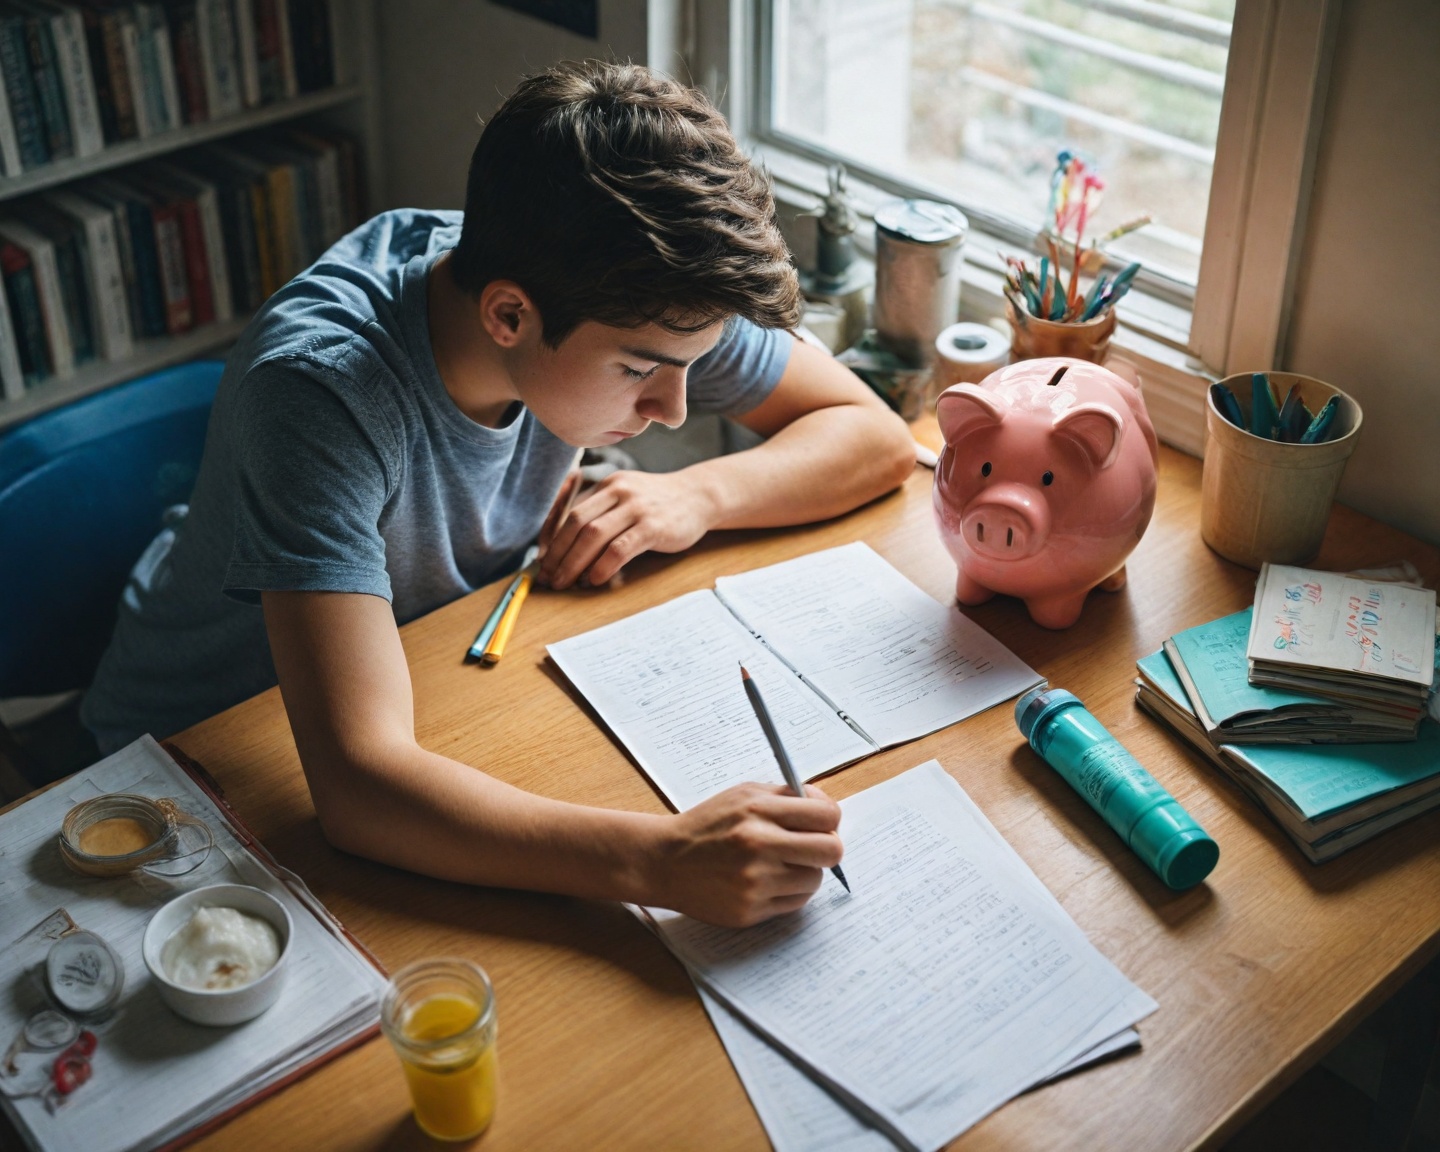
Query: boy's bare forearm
<point>425,813</point>
<point>824,464</point>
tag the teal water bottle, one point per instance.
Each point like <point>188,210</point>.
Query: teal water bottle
<point>1113,782</point>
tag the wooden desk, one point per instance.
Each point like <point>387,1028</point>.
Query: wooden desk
<point>603,1044</point>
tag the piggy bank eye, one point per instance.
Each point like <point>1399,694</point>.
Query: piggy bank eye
<point>1048,478</point>
<point>985,468</point>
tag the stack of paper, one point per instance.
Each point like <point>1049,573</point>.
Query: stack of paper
<point>946,983</point>
<point>1211,663</point>
<point>1363,643</point>
<point>156,1076</point>
<point>1327,797</point>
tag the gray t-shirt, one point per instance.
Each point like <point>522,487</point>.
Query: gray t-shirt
<point>336,461</point>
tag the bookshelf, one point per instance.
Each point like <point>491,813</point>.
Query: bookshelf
<point>133,151</point>
<point>350,104</point>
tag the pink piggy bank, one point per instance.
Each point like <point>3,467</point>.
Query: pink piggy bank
<point>1045,485</point>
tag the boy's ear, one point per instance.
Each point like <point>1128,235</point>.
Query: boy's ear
<point>506,311</point>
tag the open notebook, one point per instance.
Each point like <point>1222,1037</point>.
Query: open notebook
<point>850,656</point>
<point>158,1078</point>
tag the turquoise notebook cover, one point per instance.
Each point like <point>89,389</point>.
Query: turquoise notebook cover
<point>1321,778</point>
<point>1214,655</point>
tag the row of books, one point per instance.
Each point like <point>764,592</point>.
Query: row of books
<point>82,75</point>
<point>1343,741</point>
<point>160,248</point>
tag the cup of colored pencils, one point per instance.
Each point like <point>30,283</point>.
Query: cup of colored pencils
<point>1064,305</point>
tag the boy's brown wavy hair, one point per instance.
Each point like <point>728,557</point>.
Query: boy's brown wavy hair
<point>612,193</point>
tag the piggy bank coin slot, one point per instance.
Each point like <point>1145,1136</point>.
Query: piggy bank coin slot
<point>1059,373</point>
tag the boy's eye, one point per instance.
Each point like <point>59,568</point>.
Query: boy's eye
<point>636,374</point>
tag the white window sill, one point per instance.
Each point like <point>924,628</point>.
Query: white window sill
<point>1152,336</point>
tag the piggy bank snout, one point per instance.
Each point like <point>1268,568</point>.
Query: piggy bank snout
<point>1006,522</point>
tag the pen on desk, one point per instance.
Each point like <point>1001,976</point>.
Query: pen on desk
<point>496,648</point>
<point>757,702</point>
<point>492,622</point>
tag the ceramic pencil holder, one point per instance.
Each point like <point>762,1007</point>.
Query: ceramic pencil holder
<point>1034,338</point>
<point>1261,500</point>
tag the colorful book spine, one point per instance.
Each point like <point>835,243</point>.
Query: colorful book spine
<point>20,91</point>
<point>110,310</point>
<point>216,26</point>
<point>29,319</point>
<point>270,62</point>
<point>189,68</point>
<point>112,32</point>
<point>174,272</point>
<point>47,288</point>
<point>247,51</point>
<point>100,73</point>
<point>159,28</point>
<point>67,29</point>
<point>197,261</point>
<point>12,377</point>
<point>291,84</point>
<point>207,204</point>
<point>72,267</point>
<point>138,69</point>
<point>10,164</point>
<point>147,269</point>
<point>48,88</point>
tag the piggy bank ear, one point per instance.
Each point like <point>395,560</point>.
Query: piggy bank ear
<point>964,408</point>
<point>1096,429</point>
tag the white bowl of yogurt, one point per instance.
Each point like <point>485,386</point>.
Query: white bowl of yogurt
<point>217,954</point>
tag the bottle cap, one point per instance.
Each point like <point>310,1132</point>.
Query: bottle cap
<point>1039,703</point>
<point>1178,849</point>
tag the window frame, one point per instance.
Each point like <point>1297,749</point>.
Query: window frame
<point>1236,316</point>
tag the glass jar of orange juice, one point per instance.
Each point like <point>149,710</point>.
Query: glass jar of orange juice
<point>440,1017</point>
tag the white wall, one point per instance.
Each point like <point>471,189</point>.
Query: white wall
<point>1367,308</point>
<point>445,64</point>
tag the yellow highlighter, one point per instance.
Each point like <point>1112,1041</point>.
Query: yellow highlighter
<point>496,648</point>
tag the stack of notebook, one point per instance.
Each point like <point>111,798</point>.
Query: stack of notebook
<point>1365,644</point>
<point>1333,767</point>
<point>1211,663</point>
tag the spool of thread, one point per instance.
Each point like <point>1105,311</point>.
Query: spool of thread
<point>966,353</point>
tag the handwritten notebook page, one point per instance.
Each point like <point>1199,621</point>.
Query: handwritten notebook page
<point>898,662</point>
<point>1324,619</point>
<point>667,682</point>
<point>944,986</point>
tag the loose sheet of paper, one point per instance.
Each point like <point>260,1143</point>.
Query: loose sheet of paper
<point>156,1075</point>
<point>945,985</point>
<point>799,1114</point>
<point>899,663</point>
<point>667,682</point>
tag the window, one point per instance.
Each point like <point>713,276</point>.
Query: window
<point>971,101</point>
<point>1203,113</point>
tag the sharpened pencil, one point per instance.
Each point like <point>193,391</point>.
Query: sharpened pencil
<point>757,702</point>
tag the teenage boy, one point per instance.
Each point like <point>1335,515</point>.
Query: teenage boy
<point>393,426</point>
